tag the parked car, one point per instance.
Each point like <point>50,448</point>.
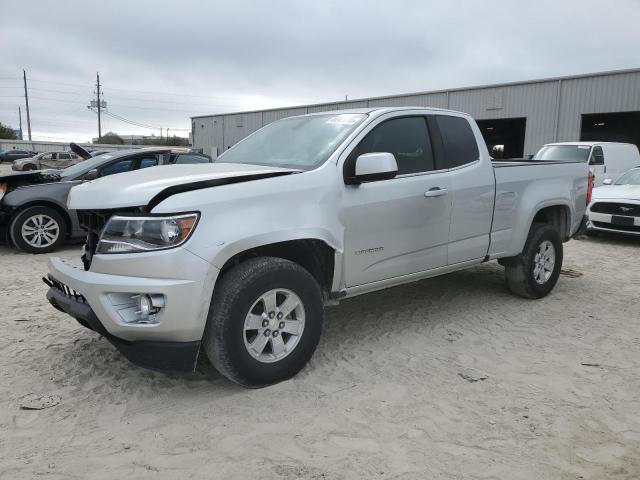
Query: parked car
<point>608,160</point>
<point>11,155</point>
<point>47,160</point>
<point>33,205</point>
<point>615,206</point>
<point>237,258</point>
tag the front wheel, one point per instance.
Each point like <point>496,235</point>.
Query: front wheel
<point>264,322</point>
<point>38,229</point>
<point>535,272</point>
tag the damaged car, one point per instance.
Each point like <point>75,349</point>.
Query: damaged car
<point>33,205</point>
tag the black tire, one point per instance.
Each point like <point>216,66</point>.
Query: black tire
<point>22,242</point>
<point>233,297</point>
<point>519,270</point>
<point>29,166</point>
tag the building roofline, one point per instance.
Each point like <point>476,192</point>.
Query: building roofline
<point>430,92</point>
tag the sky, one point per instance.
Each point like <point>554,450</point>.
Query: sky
<point>163,62</point>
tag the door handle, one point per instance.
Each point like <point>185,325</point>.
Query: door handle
<point>436,192</point>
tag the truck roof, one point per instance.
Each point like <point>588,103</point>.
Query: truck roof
<point>382,110</point>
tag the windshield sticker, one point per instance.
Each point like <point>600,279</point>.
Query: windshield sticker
<point>584,147</point>
<point>345,119</point>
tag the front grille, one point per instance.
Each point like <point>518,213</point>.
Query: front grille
<point>627,209</point>
<point>64,289</point>
<point>621,228</point>
<point>93,221</point>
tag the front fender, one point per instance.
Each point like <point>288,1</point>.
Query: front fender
<point>227,250</point>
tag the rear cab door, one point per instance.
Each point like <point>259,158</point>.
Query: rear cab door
<point>460,149</point>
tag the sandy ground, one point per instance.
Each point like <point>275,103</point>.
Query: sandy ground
<point>447,378</point>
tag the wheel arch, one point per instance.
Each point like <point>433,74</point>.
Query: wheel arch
<point>44,203</point>
<point>315,255</point>
<point>557,215</point>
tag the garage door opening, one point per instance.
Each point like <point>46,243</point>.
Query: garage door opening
<point>504,137</point>
<point>611,127</point>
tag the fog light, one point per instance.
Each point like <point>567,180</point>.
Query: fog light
<point>145,305</point>
<point>149,304</point>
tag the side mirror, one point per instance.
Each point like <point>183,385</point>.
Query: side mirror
<point>607,181</point>
<point>91,175</point>
<point>371,167</point>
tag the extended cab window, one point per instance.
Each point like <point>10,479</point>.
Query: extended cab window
<point>458,140</point>
<point>406,138</point>
<point>148,162</point>
<point>597,156</point>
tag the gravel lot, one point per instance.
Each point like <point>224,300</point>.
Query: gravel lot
<point>447,378</point>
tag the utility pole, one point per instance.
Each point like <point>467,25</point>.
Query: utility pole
<point>167,136</point>
<point>26,100</point>
<point>20,120</point>
<point>98,104</point>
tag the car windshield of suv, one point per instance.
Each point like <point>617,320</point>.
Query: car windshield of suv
<point>632,177</point>
<point>299,142</point>
<point>563,153</point>
<point>85,165</point>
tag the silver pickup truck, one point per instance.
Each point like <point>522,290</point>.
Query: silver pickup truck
<point>238,258</point>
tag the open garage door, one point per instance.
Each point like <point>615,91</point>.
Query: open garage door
<point>504,137</point>
<point>611,127</point>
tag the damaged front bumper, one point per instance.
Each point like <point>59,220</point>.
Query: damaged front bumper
<point>108,303</point>
<point>178,356</point>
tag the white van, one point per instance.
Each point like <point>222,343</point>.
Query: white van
<point>608,160</point>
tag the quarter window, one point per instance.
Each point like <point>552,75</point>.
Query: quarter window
<point>460,146</point>
<point>406,138</point>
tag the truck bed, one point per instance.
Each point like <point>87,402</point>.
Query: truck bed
<point>523,187</point>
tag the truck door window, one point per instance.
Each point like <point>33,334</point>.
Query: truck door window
<point>406,138</point>
<point>597,156</point>
<point>459,142</point>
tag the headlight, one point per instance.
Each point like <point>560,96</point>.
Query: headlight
<point>143,234</point>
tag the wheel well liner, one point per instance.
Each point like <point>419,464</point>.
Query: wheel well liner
<point>558,216</point>
<point>314,255</point>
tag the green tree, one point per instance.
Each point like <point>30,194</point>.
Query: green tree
<point>174,141</point>
<point>7,132</point>
<point>111,138</point>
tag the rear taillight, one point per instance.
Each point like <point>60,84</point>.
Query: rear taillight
<point>3,190</point>
<point>591,178</point>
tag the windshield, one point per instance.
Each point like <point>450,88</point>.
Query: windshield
<point>299,142</point>
<point>631,177</point>
<point>563,153</point>
<point>85,165</point>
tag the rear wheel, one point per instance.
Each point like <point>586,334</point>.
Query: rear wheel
<point>535,272</point>
<point>264,322</point>
<point>38,229</point>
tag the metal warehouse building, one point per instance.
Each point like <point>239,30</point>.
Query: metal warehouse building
<point>516,119</point>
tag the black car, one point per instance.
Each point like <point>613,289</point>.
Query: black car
<point>33,205</point>
<point>11,155</point>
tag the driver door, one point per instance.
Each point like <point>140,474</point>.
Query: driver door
<point>399,226</point>
<point>47,161</point>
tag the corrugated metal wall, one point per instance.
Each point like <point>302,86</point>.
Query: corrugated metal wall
<point>38,146</point>
<point>552,108</point>
<point>599,94</point>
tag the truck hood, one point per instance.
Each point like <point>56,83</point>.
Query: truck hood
<point>621,192</point>
<point>149,186</point>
